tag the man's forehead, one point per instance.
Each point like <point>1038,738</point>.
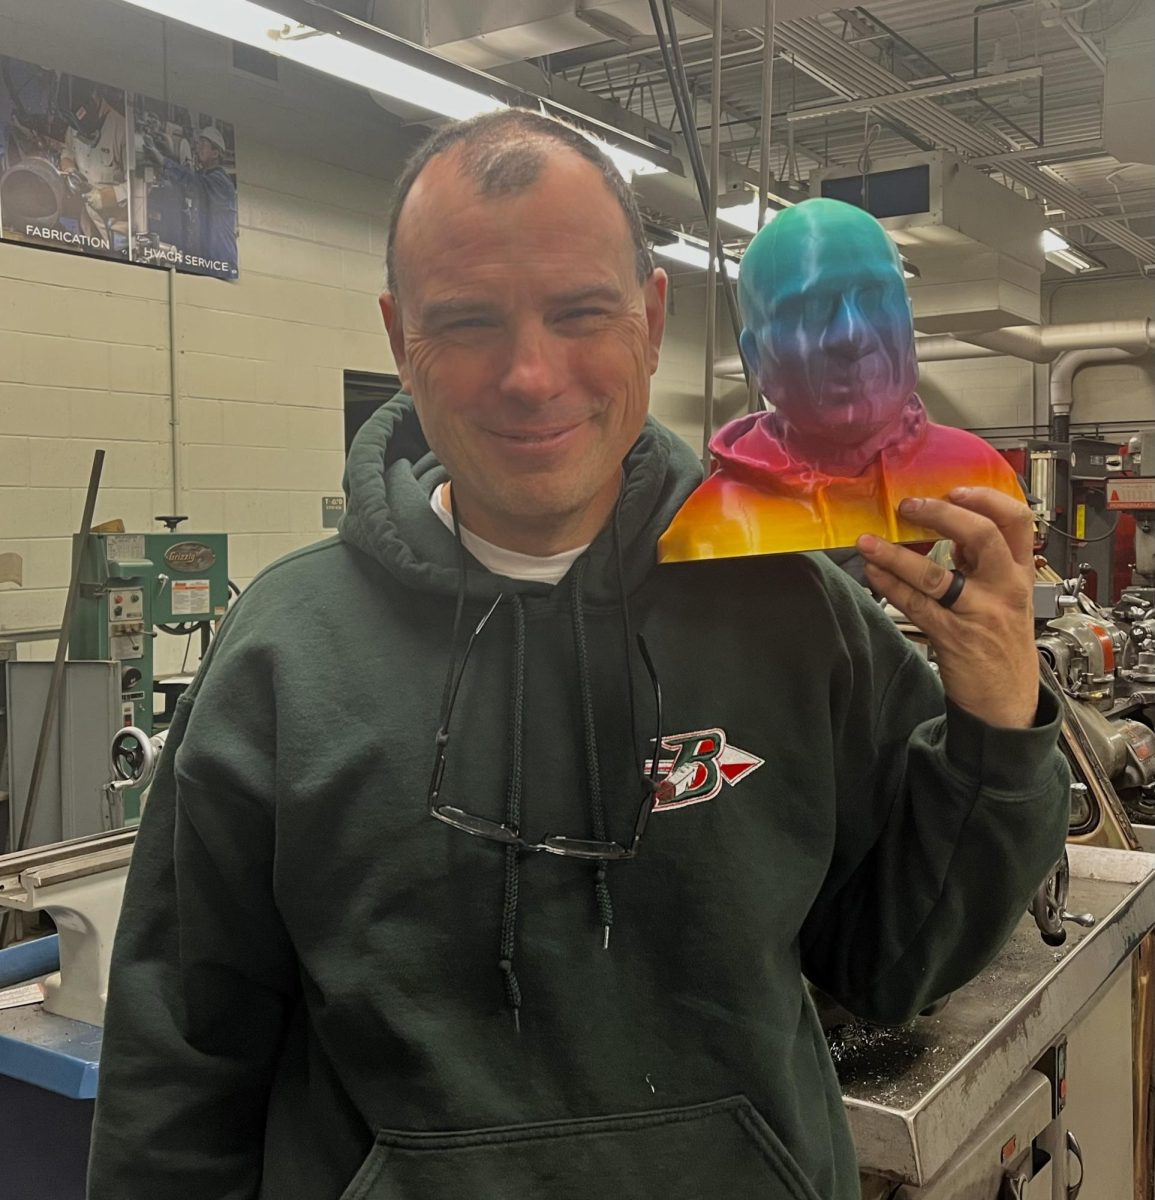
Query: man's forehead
<point>450,182</point>
<point>446,213</point>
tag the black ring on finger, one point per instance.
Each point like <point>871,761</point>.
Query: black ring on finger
<point>954,590</point>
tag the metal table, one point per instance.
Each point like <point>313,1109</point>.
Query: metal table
<point>916,1092</point>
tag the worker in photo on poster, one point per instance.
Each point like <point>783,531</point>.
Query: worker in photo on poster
<point>64,152</point>
<point>186,201</point>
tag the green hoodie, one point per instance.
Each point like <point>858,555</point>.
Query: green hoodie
<point>314,981</point>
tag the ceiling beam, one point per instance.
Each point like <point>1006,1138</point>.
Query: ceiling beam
<point>1004,79</point>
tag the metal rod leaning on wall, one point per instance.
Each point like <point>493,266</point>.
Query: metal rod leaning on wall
<point>754,399</point>
<point>717,261</point>
<point>174,396</point>
<point>56,681</point>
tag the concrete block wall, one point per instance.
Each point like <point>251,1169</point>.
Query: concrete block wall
<point>84,344</point>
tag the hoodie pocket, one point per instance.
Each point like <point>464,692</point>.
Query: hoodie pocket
<point>723,1150</point>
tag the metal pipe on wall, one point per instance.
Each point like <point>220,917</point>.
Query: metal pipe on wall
<point>174,396</point>
<point>1033,343</point>
<point>1061,387</point>
<point>1044,343</point>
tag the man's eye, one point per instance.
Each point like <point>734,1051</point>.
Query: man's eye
<point>470,323</point>
<point>576,314</point>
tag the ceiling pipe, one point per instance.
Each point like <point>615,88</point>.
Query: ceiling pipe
<point>1063,372</point>
<point>1034,343</point>
<point>1044,343</point>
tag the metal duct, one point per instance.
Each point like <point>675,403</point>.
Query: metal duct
<point>848,72</point>
<point>1044,343</point>
<point>1034,343</point>
<point>1063,372</point>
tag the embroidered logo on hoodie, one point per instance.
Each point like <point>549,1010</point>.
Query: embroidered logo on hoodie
<point>701,763</point>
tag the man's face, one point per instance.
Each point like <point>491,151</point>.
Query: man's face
<point>207,154</point>
<point>526,341</point>
<point>833,339</point>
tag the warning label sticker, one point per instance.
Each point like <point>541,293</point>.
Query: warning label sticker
<point>190,598</point>
<point>1131,493</point>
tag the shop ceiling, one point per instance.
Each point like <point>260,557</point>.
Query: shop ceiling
<point>1056,115</point>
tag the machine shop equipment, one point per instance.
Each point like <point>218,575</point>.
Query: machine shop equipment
<point>134,587</point>
<point>1104,661</point>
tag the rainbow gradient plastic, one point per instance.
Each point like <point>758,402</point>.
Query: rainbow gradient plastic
<point>828,334</point>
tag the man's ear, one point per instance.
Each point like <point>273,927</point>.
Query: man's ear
<point>655,290</point>
<point>394,326</point>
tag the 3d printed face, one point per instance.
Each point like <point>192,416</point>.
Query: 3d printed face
<point>828,334</point>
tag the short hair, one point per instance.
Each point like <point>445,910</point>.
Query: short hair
<point>504,153</point>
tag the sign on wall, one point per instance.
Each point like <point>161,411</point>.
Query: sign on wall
<point>100,171</point>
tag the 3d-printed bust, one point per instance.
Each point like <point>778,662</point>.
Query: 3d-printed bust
<point>828,334</point>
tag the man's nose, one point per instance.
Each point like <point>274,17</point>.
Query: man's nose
<point>847,334</point>
<point>534,371</point>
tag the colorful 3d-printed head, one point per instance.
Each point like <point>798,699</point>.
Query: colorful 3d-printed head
<point>828,330</point>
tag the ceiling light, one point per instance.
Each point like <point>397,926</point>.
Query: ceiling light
<point>626,161</point>
<point>265,29</point>
<point>909,270</point>
<point>693,256</point>
<point>1060,252</point>
<point>255,25</point>
<point>745,216</point>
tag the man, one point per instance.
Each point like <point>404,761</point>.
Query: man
<point>95,154</point>
<point>211,197</point>
<point>338,976</point>
<point>830,338</point>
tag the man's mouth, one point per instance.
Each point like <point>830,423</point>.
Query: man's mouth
<point>537,437</point>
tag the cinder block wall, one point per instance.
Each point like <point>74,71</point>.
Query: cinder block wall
<point>84,344</point>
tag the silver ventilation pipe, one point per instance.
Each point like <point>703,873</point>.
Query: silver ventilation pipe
<point>1063,372</point>
<point>1034,343</point>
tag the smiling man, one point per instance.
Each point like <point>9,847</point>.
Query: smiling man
<point>440,894</point>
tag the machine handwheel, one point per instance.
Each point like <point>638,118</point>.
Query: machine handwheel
<point>133,756</point>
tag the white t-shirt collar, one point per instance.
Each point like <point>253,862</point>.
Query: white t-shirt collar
<point>550,568</point>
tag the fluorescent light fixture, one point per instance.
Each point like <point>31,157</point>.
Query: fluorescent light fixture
<point>693,256</point>
<point>255,25</point>
<point>268,30</point>
<point>1057,250</point>
<point>626,161</point>
<point>745,216</point>
<point>909,270</point>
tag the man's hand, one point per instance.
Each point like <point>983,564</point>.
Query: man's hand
<point>984,643</point>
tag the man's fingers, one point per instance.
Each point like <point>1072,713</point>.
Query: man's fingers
<point>913,570</point>
<point>981,539</point>
<point>916,605</point>
<point>1014,519</point>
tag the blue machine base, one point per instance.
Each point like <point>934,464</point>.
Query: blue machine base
<point>48,1073</point>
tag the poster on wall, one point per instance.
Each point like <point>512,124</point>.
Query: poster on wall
<point>184,189</point>
<point>89,168</point>
<point>63,161</point>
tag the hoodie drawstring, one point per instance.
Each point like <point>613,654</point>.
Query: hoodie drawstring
<point>593,769</point>
<point>513,819</point>
<point>515,790</point>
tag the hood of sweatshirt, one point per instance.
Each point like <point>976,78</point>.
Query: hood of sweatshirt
<point>754,449</point>
<point>391,476</point>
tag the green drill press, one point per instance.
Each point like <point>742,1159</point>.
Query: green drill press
<point>134,586</point>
